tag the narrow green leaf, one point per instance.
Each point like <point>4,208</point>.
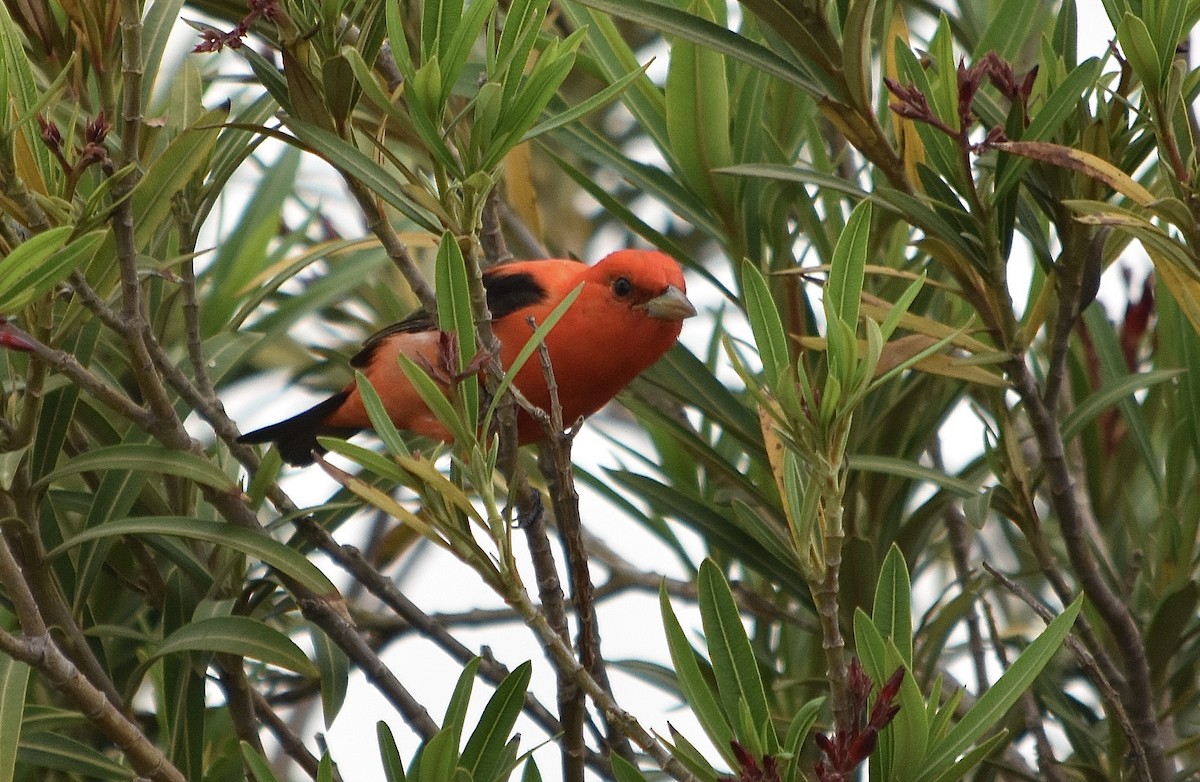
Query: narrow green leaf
<point>14,677</point>
<point>381,422</point>
<point>892,611</point>
<point>55,752</point>
<point>19,266</point>
<point>1058,106</point>
<point>1110,394</point>
<point>257,764</point>
<point>254,544</point>
<point>697,86</point>
<point>456,316</point>
<point>325,768</point>
<point>733,660</point>
<point>354,163</point>
<point>624,771</point>
<point>146,458</point>
<point>992,705</point>
<point>169,173</point>
<point>692,682</point>
<point>1008,29</point>
<point>767,326</point>
<point>485,749</point>
<point>241,636</point>
<point>389,753</point>
<point>672,21</point>
<point>1141,53</point>
<point>334,668</point>
<point>913,471</point>
<point>435,399</point>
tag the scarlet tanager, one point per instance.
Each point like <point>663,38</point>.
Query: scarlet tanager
<point>629,313</point>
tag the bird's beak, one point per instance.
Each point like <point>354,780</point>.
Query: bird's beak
<point>670,305</point>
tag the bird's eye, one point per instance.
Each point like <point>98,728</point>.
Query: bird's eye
<point>622,287</point>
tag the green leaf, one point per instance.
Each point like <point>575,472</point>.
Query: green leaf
<point>1112,392</point>
<point>148,458</point>
<point>1008,30</point>
<point>334,668</point>
<point>393,767</point>
<point>241,636</point>
<point>692,682</point>
<point>674,22</point>
<point>1141,53</point>
<point>249,542</point>
<point>697,113</point>
<point>1054,112</point>
<point>435,399</point>
<point>485,749</point>
<point>38,264</point>
<point>170,172</point>
<point>14,678</point>
<point>843,292</point>
<point>624,771</point>
<point>767,326</point>
<point>907,469</point>
<point>348,159</point>
<point>733,660</point>
<point>586,106</point>
<point>892,610</point>
<point>257,764</point>
<point>455,315</point>
<point>993,704</point>
<point>55,752</point>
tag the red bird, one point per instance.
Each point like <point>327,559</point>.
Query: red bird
<point>629,313</point>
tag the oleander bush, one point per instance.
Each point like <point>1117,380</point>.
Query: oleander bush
<point>921,479</point>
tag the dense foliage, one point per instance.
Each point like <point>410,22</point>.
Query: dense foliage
<point>905,209</point>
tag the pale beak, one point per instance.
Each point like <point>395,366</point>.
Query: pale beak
<point>670,305</point>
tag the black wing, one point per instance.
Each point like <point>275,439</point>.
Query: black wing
<point>507,292</point>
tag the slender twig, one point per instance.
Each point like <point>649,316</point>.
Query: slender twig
<point>1139,700</point>
<point>555,463</point>
<point>238,699</point>
<point>38,650</point>
<point>68,365</point>
<point>1108,693</point>
<point>350,640</point>
<point>532,521</point>
<point>392,244</point>
<point>18,592</point>
<point>1047,764</point>
<point>960,550</point>
<point>491,235</point>
<point>288,741</point>
<point>41,653</point>
<point>25,547</point>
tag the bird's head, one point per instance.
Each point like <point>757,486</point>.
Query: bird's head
<point>645,283</point>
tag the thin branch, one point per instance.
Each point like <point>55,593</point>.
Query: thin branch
<point>289,741</point>
<point>1112,607</point>
<point>532,521</point>
<point>960,550</point>
<point>554,457</point>
<point>564,660</point>
<point>343,632</point>
<point>392,244</point>
<point>1047,764</point>
<point>41,653</point>
<point>239,699</point>
<point>1108,693</point>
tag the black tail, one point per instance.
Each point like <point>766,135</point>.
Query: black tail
<point>297,436</point>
